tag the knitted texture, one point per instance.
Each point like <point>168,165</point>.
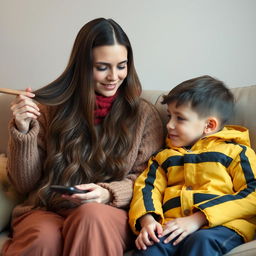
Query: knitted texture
<point>27,154</point>
<point>103,106</point>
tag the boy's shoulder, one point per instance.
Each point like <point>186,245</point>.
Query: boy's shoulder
<point>165,153</point>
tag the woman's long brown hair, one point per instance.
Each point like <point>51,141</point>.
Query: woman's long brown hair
<point>77,151</point>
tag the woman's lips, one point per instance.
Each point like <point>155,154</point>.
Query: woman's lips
<point>109,86</point>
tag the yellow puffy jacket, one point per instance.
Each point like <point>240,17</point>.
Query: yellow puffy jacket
<point>216,176</point>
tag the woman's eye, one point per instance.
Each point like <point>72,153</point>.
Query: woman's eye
<point>121,67</point>
<point>101,68</point>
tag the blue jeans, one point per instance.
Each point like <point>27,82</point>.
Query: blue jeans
<point>204,242</point>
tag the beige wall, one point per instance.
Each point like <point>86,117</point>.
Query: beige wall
<point>173,40</point>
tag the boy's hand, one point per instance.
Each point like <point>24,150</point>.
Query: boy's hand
<point>182,227</point>
<point>149,228</point>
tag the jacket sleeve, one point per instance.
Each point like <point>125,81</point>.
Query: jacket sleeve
<point>148,194</point>
<point>242,203</point>
<point>25,155</point>
<point>149,139</point>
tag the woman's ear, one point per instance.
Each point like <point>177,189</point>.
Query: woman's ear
<point>211,126</point>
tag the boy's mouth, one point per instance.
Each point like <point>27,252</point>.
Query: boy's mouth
<point>172,136</point>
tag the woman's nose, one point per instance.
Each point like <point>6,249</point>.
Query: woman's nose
<point>112,75</point>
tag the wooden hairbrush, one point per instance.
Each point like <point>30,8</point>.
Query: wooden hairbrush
<point>13,92</point>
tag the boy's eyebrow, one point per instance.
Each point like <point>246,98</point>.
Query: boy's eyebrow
<point>176,112</point>
<point>108,64</point>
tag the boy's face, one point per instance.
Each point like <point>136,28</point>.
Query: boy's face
<point>184,126</point>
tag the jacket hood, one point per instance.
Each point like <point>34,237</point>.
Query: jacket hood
<point>234,133</point>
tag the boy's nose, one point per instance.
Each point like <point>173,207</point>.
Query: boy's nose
<point>170,124</point>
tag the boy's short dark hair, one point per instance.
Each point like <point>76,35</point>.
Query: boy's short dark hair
<point>207,96</point>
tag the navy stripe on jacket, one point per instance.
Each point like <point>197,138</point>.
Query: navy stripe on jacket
<point>250,180</point>
<point>197,197</point>
<point>147,190</point>
<point>216,157</point>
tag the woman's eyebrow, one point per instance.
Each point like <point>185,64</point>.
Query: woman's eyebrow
<point>108,64</point>
<point>123,62</point>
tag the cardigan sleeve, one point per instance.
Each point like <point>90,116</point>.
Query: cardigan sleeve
<point>148,140</point>
<point>25,154</point>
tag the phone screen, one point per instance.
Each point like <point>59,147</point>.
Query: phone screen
<point>67,190</point>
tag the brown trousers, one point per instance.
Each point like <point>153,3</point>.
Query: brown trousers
<point>89,230</point>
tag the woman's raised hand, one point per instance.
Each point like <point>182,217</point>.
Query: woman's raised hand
<point>24,109</point>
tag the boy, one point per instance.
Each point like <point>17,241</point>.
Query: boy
<point>197,197</point>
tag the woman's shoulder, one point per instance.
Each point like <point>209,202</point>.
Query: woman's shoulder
<point>149,114</point>
<point>147,107</point>
<point>143,103</point>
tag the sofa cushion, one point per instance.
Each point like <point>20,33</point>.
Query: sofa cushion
<point>8,196</point>
<point>247,249</point>
<point>3,238</point>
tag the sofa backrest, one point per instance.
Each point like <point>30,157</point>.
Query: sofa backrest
<point>5,115</point>
<point>244,113</point>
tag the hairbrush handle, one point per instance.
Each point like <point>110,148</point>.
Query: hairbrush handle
<point>13,92</point>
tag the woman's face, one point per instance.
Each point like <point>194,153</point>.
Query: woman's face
<point>109,68</point>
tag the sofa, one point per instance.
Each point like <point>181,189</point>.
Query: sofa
<point>244,115</point>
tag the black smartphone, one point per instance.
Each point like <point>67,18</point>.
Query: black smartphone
<point>67,190</point>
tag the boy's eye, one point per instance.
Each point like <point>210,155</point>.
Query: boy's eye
<point>180,118</point>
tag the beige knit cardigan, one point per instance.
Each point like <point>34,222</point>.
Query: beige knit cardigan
<point>26,154</point>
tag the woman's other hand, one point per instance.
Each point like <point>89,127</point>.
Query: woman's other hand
<point>24,110</point>
<point>96,194</point>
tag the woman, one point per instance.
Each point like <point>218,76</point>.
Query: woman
<point>91,131</point>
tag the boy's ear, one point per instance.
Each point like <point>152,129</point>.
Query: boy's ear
<point>212,125</point>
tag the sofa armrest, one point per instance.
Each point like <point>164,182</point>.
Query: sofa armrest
<point>8,196</point>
